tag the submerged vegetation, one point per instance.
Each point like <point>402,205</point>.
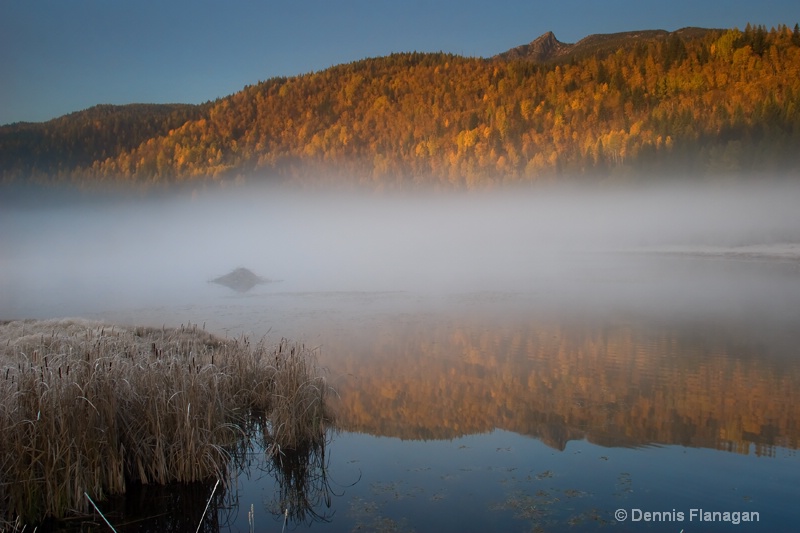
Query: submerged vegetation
<point>90,408</point>
<point>705,102</point>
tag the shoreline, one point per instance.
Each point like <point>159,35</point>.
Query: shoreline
<point>789,252</point>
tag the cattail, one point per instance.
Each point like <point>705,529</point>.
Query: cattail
<point>94,421</point>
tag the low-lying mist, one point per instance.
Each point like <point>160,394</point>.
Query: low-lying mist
<point>94,257</point>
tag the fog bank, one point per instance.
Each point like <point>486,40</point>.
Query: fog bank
<point>162,252</point>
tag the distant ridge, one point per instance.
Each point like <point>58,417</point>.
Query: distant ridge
<point>547,48</point>
<point>694,101</point>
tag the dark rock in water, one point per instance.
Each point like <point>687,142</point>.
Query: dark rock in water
<point>240,280</point>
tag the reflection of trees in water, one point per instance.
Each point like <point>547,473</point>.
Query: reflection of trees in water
<point>627,384</point>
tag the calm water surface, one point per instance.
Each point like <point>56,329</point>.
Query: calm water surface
<point>541,409</point>
<point>483,384</point>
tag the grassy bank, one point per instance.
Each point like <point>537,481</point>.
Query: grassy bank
<point>88,407</point>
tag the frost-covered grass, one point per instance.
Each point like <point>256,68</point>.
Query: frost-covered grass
<point>89,407</point>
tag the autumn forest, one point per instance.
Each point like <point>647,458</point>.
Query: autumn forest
<point>695,102</point>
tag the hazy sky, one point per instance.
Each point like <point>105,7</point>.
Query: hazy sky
<point>60,56</point>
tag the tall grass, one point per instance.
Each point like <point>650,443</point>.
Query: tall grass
<point>87,407</point>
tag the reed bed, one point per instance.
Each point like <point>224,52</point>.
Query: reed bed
<point>88,408</point>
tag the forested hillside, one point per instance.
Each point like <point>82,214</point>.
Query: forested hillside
<point>699,102</point>
<point>67,144</point>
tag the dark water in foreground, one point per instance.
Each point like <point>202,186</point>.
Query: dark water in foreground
<point>537,410</point>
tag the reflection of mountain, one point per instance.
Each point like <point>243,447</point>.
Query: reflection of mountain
<point>614,386</point>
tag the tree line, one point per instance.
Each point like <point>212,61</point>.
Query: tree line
<point>65,145</point>
<point>701,103</point>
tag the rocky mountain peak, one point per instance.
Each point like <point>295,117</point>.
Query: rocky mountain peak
<point>543,48</point>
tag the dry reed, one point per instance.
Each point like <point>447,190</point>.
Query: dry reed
<point>88,407</point>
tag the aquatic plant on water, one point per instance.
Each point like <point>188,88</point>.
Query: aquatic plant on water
<point>89,408</point>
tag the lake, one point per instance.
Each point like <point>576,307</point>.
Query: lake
<point>500,364</point>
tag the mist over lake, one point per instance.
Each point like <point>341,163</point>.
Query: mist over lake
<point>571,349</point>
<point>107,255</point>
<point>266,271</point>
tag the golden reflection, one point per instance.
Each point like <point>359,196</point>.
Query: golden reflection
<point>614,385</point>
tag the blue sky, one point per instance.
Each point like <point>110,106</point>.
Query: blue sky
<point>60,56</point>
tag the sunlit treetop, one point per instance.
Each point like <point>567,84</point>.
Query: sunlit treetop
<point>707,101</point>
